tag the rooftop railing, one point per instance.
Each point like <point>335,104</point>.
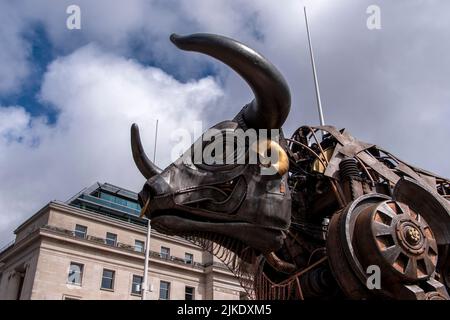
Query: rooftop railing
<point>123,246</point>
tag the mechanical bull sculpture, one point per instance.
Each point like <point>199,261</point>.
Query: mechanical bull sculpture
<point>335,212</point>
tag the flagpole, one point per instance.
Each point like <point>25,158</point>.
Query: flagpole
<point>149,229</point>
<point>156,140</point>
<point>147,253</point>
<point>316,81</point>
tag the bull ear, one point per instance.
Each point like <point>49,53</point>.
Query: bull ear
<point>270,107</point>
<point>145,166</point>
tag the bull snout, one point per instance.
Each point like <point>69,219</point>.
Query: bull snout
<point>156,186</point>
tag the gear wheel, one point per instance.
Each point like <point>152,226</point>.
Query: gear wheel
<point>376,230</point>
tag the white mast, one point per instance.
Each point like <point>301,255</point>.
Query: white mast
<point>149,229</point>
<point>156,140</point>
<point>316,81</point>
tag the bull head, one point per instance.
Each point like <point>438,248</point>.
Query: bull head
<point>233,200</point>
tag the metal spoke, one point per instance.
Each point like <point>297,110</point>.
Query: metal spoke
<point>391,254</point>
<point>404,208</point>
<point>428,264</point>
<point>411,268</point>
<point>387,210</point>
<point>433,245</point>
<point>380,229</point>
<point>419,219</point>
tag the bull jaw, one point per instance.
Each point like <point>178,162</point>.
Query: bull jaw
<point>262,239</point>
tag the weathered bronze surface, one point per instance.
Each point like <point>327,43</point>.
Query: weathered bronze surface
<point>316,231</point>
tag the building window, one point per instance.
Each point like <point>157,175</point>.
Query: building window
<point>136,286</point>
<point>189,293</point>
<point>80,231</point>
<point>111,239</point>
<point>165,253</point>
<point>108,279</point>
<point>123,202</point>
<point>188,258</point>
<point>139,245</point>
<point>75,273</point>
<point>164,290</point>
<point>107,196</point>
<point>70,298</point>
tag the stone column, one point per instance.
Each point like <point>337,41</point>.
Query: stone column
<point>13,285</point>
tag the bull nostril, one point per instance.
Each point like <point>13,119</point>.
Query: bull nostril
<point>141,200</point>
<point>144,200</point>
<point>153,187</point>
<point>144,195</point>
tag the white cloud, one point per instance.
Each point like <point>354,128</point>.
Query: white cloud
<point>14,50</point>
<point>147,23</point>
<point>98,96</point>
<point>12,121</point>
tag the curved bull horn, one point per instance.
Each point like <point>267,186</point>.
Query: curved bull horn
<point>145,166</point>
<point>272,102</point>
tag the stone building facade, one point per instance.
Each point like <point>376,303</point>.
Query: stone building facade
<point>92,247</point>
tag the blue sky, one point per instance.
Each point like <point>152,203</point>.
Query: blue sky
<point>68,97</point>
<point>41,54</point>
